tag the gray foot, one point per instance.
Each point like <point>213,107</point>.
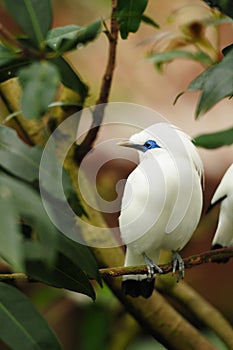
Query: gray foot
<point>178,260</point>
<point>152,268</point>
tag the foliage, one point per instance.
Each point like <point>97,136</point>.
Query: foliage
<point>21,322</point>
<point>130,14</point>
<point>215,140</point>
<point>192,43</point>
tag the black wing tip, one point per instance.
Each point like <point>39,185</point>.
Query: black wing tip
<point>215,203</point>
<point>219,260</point>
<point>136,288</point>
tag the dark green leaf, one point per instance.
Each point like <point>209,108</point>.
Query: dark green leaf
<point>58,35</point>
<point>67,38</point>
<point>39,82</point>
<point>215,140</point>
<point>16,156</point>
<point>225,6</point>
<point>227,49</point>
<point>199,82</point>
<point>10,69</point>
<point>6,55</point>
<point>22,327</point>
<point>70,78</point>
<point>80,255</point>
<point>64,273</point>
<point>215,83</point>
<point>33,16</point>
<point>164,57</point>
<point>129,15</point>
<point>25,202</point>
<point>150,21</point>
<point>11,242</point>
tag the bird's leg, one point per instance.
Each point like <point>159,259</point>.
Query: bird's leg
<point>152,268</point>
<point>177,259</point>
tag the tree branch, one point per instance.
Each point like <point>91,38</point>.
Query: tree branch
<point>189,262</point>
<point>98,112</point>
<point>202,309</point>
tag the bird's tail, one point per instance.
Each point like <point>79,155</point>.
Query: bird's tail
<point>140,287</point>
<point>136,285</point>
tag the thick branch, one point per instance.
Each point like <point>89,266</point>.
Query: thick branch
<point>98,112</point>
<point>201,308</point>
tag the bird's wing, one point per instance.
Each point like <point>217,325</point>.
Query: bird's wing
<point>224,188</point>
<point>212,205</point>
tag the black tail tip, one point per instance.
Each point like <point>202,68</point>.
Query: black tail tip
<point>136,288</point>
<point>219,260</point>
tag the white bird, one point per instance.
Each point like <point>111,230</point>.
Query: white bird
<point>224,195</point>
<point>161,204</point>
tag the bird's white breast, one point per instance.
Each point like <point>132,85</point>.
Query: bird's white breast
<point>149,198</point>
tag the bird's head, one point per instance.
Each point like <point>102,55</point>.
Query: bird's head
<point>142,142</point>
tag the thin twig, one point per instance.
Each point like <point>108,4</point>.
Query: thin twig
<point>24,52</point>
<point>189,262</point>
<point>13,277</point>
<point>98,112</point>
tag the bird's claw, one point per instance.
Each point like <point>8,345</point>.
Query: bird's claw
<point>178,260</point>
<point>152,268</point>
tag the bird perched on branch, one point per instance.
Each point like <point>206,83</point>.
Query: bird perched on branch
<point>161,204</point>
<point>224,195</point>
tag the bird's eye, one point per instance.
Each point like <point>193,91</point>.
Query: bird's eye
<point>150,144</point>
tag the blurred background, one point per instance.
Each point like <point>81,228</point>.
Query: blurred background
<point>78,322</point>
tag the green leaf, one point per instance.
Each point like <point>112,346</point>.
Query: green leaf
<point>64,273</point>
<point>215,83</point>
<point>70,78</point>
<point>24,202</point>
<point>80,255</point>
<point>89,33</point>
<point>10,69</point>
<point>11,248</point>
<point>164,57</point>
<point>66,38</point>
<point>16,156</point>
<point>6,54</point>
<point>58,36</point>
<point>199,82</point>
<point>39,82</point>
<point>227,49</point>
<point>215,140</point>
<point>150,21</point>
<point>33,16</point>
<point>129,15</point>
<point>22,327</point>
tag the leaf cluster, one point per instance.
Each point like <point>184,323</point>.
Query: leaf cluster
<point>30,243</point>
<point>215,82</point>
<point>36,55</point>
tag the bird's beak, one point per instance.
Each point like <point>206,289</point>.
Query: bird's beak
<point>131,144</point>
<point>126,143</point>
